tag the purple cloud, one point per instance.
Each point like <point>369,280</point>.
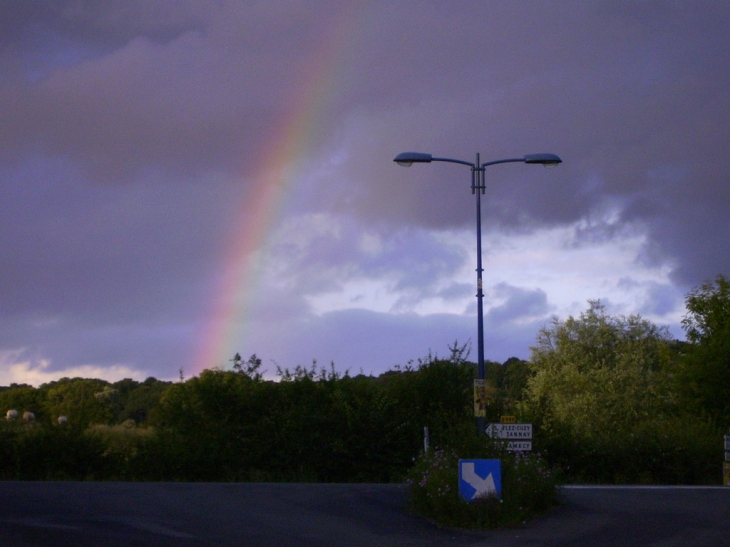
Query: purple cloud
<point>133,137</point>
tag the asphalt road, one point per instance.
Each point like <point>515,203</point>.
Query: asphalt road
<point>269,515</point>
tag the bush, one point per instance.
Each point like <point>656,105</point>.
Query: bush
<point>38,451</point>
<point>122,445</point>
<point>529,488</point>
<point>678,450</point>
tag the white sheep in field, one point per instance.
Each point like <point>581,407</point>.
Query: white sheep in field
<point>11,415</point>
<point>62,420</point>
<point>28,416</point>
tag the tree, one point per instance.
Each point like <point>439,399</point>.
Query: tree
<point>77,398</point>
<point>514,378</point>
<point>141,401</point>
<point>704,377</point>
<point>598,373</point>
<point>21,398</point>
<point>249,368</point>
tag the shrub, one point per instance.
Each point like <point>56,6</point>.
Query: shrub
<point>39,451</point>
<point>122,444</point>
<point>528,488</point>
<point>682,450</point>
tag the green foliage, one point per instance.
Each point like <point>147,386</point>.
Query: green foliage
<point>597,373</point>
<point>516,375</point>
<point>605,409</point>
<point>674,450</point>
<point>41,451</point>
<point>22,398</point>
<point>248,368</point>
<point>708,311</point>
<point>437,395</point>
<point>314,424</point>
<point>704,375</point>
<point>140,402</point>
<point>121,447</point>
<point>216,421</point>
<point>84,402</point>
<point>529,488</point>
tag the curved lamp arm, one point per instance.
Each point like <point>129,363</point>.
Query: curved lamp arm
<point>406,159</point>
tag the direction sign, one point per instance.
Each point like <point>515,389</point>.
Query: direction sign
<point>510,431</point>
<point>519,446</point>
<point>508,419</point>
<point>480,478</point>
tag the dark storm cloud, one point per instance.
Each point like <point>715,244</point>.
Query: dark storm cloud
<point>124,128</point>
<point>93,252</point>
<point>633,97</point>
<point>207,98</point>
<point>625,93</point>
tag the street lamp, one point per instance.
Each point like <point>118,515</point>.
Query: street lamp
<point>406,159</point>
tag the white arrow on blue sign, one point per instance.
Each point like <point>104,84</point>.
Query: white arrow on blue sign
<point>480,478</point>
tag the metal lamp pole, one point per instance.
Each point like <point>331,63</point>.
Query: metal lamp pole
<point>406,159</point>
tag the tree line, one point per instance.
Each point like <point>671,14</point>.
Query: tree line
<point>613,399</point>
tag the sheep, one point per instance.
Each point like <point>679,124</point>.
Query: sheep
<point>28,416</point>
<point>62,420</point>
<point>11,415</point>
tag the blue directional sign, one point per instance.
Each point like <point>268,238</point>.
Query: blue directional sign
<point>480,478</point>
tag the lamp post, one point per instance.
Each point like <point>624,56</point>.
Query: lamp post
<point>406,159</point>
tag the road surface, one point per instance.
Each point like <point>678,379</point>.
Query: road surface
<point>270,515</point>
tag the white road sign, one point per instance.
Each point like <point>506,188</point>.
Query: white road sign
<point>510,431</point>
<point>519,446</point>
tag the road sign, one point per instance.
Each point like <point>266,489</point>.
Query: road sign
<point>510,431</point>
<point>727,442</point>
<point>480,478</point>
<point>508,419</point>
<point>519,446</point>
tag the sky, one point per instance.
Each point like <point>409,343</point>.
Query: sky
<point>182,180</point>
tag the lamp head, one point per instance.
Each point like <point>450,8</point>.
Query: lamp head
<point>546,160</point>
<point>406,159</point>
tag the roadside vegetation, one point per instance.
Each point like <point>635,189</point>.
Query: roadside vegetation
<point>613,400</point>
<point>529,486</point>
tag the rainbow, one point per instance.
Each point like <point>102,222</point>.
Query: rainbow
<point>221,336</point>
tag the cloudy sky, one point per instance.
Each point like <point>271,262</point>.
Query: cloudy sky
<point>181,180</point>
